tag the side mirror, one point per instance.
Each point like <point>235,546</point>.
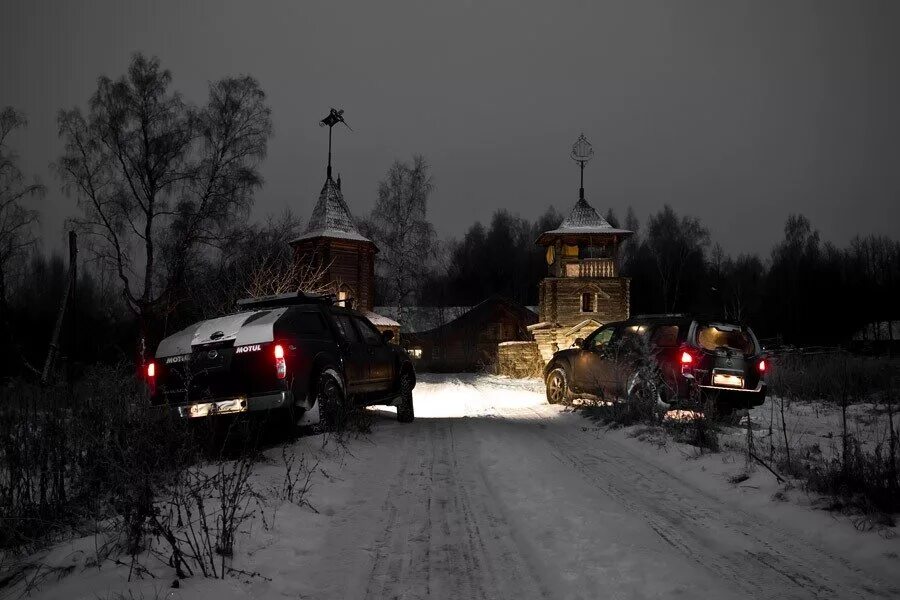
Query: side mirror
<point>387,336</point>
<point>579,342</point>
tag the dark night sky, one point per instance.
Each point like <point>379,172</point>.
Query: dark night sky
<point>737,112</point>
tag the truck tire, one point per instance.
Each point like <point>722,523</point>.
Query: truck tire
<point>405,410</point>
<point>558,386</point>
<point>329,394</point>
<point>647,392</point>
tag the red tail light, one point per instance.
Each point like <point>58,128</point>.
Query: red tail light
<point>151,377</point>
<point>762,366</point>
<point>686,358</point>
<point>280,363</point>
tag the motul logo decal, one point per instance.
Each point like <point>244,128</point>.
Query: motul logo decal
<point>253,348</point>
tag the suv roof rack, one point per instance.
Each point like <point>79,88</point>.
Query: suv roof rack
<point>289,299</point>
<point>658,316</point>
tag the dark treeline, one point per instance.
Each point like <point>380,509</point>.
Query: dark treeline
<point>100,326</point>
<point>804,291</point>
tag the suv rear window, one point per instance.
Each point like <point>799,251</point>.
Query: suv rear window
<point>711,337</point>
<point>303,322</point>
<point>665,336</point>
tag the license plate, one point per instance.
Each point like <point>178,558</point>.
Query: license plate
<point>727,380</point>
<point>222,407</point>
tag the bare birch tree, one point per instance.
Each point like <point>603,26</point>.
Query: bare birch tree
<point>400,227</point>
<point>157,179</point>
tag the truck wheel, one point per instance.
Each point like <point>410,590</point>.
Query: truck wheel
<point>330,397</point>
<point>557,386</point>
<point>648,393</point>
<point>405,411</point>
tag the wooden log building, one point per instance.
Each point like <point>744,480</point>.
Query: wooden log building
<point>470,341</point>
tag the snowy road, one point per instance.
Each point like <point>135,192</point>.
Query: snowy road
<point>492,493</point>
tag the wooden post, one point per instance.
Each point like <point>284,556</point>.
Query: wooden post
<point>73,312</point>
<point>54,340</point>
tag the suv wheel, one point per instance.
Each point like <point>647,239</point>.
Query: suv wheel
<point>639,389</point>
<point>557,386</point>
<point>405,411</point>
<point>331,401</point>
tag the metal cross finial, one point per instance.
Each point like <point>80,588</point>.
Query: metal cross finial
<point>582,151</point>
<point>334,117</point>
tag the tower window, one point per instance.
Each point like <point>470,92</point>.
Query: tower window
<point>587,302</point>
<point>344,298</point>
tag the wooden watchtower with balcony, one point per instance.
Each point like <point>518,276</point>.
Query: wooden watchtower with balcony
<point>583,289</point>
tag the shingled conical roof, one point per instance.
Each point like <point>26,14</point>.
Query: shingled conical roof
<point>583,215</point>
<point>331,216</point>
<point>583,220</point>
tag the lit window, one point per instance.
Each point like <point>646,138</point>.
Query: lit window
<point>415,352</point>
<point>342,297</point>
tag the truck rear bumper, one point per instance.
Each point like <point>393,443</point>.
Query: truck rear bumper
<point>726,400</point>
<point>230,406</point>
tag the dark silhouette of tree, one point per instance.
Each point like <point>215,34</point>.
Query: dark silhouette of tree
<point>611,218</point>
<point>16,224</point>
<point>677,247</point>
<point>739,286</point>
<point>500,259</point>
<point>158,180</point>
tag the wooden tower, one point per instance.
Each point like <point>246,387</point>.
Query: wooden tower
<point>583,289</point>
<point>332,242</point>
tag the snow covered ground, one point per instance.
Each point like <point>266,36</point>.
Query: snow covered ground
<point>492,493</point>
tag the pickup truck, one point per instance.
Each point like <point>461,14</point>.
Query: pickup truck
<point>297,355</point>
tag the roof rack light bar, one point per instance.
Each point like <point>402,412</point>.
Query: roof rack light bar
<point>288,299</point>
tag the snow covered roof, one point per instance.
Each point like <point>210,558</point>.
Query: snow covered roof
<point>380,320</point>
<point>422,318</point>
<point>587,323</point>
<point>583,220</point>
<point>426,320</point>
<point>331,216</point>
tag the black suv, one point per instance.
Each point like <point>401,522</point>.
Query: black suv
<point>678,359</point>
<point>297,354</point>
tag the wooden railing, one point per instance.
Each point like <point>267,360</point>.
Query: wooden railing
<point>592,267</point>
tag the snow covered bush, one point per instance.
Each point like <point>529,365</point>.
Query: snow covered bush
<point>197,514</point>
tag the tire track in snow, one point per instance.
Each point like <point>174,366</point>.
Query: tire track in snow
<point>441,538</point>
<point>769,563</point>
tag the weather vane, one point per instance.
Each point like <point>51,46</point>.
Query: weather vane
<point>582,151</point>
<point>334,117</point>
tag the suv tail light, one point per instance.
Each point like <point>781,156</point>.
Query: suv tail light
<point>151,377</point>
<point>687,363</point>
<point>280,363</point>
<point>762,366</point>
